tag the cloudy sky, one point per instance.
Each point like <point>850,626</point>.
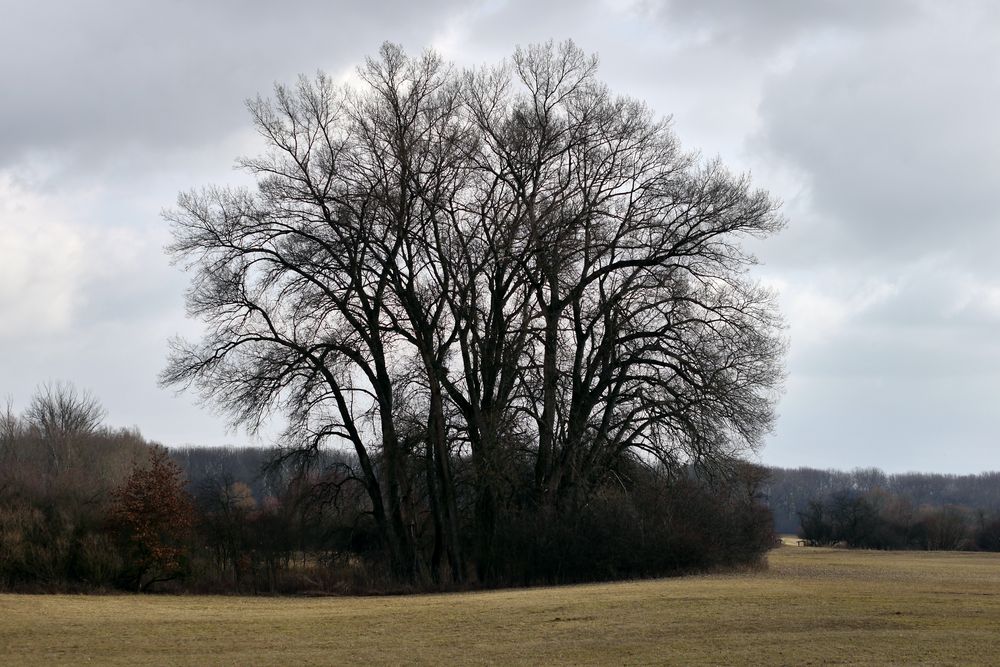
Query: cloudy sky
<point>875,122</point>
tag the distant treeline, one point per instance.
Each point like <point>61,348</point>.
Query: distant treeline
<point>786,491</point>
<point>832,506</point>
<point>865,506</point>
<point>880,520</point>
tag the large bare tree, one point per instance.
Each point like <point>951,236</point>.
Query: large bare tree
<point>492,286</point>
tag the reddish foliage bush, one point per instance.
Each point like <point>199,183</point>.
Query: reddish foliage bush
<point>154,515</point>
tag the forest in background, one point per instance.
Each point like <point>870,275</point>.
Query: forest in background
<point>86,507</point>
<point>785,491</point>
<point>864,507</point>
<point>868,508</point>
<point>788,491</point>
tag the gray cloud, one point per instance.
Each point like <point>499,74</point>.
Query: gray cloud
<point>897,135</point>
<point>762,26</point>
<point>112,75</point>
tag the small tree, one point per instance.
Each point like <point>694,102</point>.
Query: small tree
<point>226,508</point>
<point>816,528</point>
<point>61,415</point>
<point>60,410</point>
<point>154,515</point>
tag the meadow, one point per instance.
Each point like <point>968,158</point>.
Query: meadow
<point>810,606</point>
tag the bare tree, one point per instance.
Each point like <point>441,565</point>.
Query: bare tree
<point>510,266</point>
<point>62,414</point>
<point>10,432</point>
<point>649,336</point>
<point>59,409</point>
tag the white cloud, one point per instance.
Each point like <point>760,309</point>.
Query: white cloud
<point>62,266</point>
<point>978,298</point>
<point>895,130</point>
<point>42,257</point>
<point>820,308</point>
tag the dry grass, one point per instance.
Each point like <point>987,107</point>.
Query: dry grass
<point>813,606</point>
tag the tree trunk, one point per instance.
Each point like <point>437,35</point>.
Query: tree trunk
<point>446,484</point>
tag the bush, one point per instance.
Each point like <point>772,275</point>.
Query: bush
<point>154,517</point>
<point>987,536</point>
<point>650,528</point>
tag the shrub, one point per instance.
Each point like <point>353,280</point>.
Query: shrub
<point>648,528</point>
<point>154,516</point>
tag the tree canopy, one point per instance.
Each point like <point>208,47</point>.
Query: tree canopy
<point>501,289</point>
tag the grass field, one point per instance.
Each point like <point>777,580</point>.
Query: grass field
<point>812,606</point>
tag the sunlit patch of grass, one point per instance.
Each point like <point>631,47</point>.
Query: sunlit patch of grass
<point>811,606</point>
